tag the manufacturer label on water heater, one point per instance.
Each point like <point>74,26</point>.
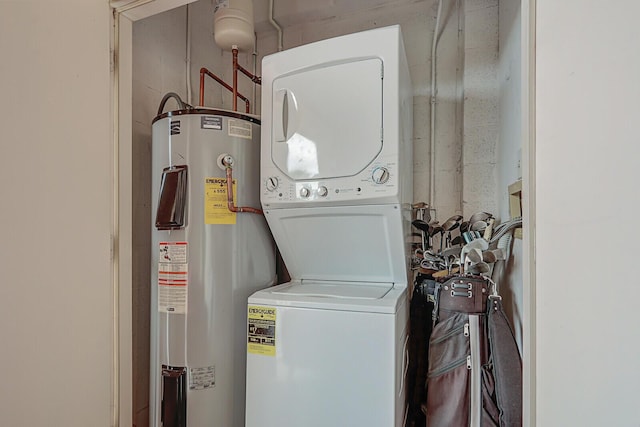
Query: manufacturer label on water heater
<point>261,333</point>
<point>173,277</point>
<point>174,128</point>
<point>240,128</point>
<point>211,122</point>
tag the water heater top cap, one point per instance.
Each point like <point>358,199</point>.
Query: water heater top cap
<point>233,25</point>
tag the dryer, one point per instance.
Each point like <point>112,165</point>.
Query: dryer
<point>329,348</point>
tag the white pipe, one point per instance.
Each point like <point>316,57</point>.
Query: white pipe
<point>432,121</point>
<point>275,24</point>
<point>188,60</point>
<point>254,71</point>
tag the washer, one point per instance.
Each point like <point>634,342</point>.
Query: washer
<point>329,347</point>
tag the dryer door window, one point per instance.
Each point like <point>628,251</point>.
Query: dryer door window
<point>328,119</point>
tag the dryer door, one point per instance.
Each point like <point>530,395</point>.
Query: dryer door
<point>327,119</point>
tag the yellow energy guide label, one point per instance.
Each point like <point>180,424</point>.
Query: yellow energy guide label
<point>216,209</point>
<point>261,333</point>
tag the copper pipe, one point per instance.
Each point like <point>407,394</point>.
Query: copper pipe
<point>224,84</point>
<point>244,71</point>
<point>230,204</point>
<point>254,78</point>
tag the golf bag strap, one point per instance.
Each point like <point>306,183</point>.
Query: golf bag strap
<point>507,365</point>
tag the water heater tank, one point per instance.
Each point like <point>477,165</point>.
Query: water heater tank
<point>206,260</point>
<point>233,24</point>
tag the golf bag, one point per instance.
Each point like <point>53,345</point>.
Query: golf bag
<point>420,324</point>
<point>475,372</point>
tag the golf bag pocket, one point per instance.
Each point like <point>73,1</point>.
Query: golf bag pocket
<point>490,411</point>
<point>465,294</point>
<point>449,373</point>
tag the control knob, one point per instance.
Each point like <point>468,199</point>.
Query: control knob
<point>380,175</point>
<point>272,183</point>
<point>304,192</point>
<point>322,191</point>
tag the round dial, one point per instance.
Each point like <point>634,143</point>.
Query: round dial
<point>272,183</point>
<point>304,192</point>
<point>322,191</point>
<point>380,175</point>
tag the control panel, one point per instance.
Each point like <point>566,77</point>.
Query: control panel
<point>379,180</point>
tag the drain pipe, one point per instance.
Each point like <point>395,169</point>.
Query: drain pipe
<point>432,121</point>
<point>275,25</point>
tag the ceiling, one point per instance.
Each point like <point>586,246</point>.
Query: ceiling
<point>291,12</point>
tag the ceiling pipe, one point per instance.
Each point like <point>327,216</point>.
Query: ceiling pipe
<point>432,121</point>
<point>275,25</point>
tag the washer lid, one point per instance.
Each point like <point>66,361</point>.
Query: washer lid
<point>336,290</point>
<point>366,298</point>
<point>327,119</point>
<point>343,244</point>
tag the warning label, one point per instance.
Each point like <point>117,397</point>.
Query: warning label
<point>216,209</point>
<point>173,277</point>
<point>261,335</point>
<point>173,252</point>
<point>202,378</point>
<point>240,128</point>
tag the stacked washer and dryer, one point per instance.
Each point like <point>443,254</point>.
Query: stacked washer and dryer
<point>329,348</point>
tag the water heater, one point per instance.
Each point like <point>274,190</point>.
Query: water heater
<point>206,261</point>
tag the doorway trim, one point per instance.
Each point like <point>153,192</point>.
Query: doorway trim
<point>528,56</point>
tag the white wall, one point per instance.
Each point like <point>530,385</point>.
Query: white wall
<point>481,113</point>
<point>587,174</point>
<point>509,150</point>
<point>56,283</point>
